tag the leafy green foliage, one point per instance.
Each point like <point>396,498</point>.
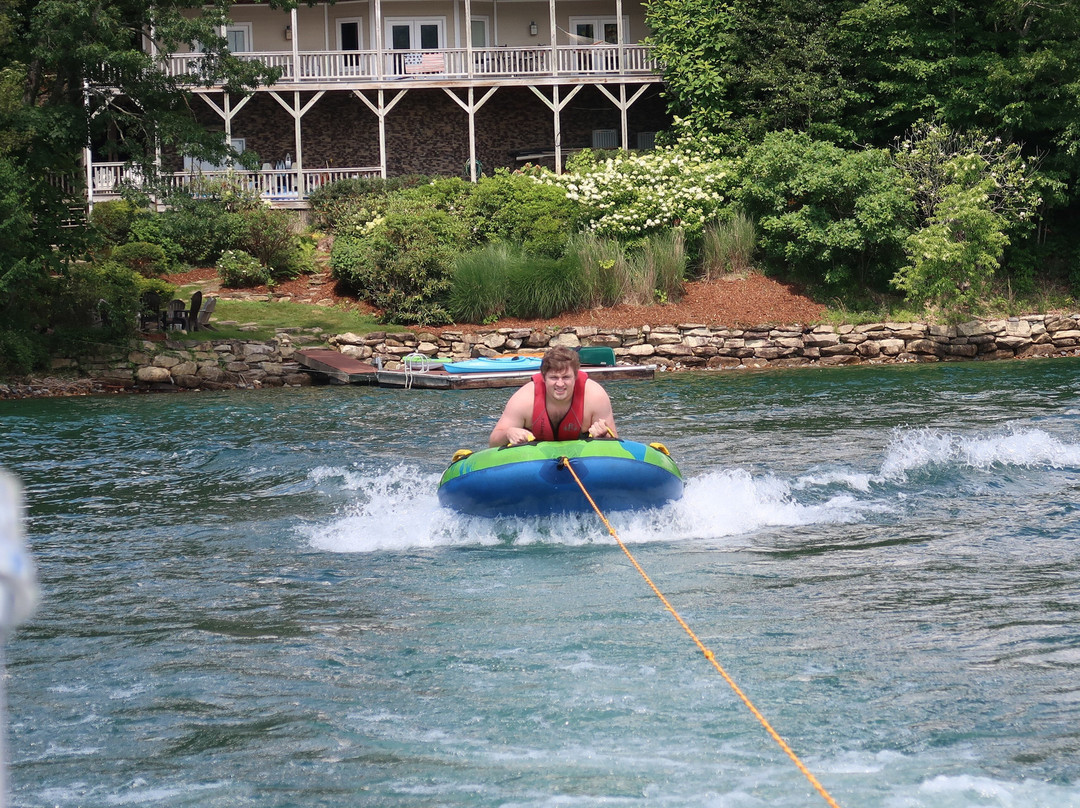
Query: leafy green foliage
<point>273,237</point>
<point>515,208</point>
<point>155,228</point>
<point>742,69</point>
<point>344,204</point>
<point>144,257</point>
<point>21,352</point>
<point>73,72</point>
<point>827,216</point>
<point>238,269</point>
<point>113,220</point>
<point>954,256</point>
<point>972,193</point>
<point>105,294</point>
<point>403,263</point>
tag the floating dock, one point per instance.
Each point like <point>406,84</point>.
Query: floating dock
<point>338,368</point>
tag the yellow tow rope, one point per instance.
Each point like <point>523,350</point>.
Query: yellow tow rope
<point>564,462</point>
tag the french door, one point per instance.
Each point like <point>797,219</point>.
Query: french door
<point>413,35</point>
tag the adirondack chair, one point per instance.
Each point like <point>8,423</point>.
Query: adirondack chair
<point>175,315</point>
<point>203,321</point>
<point>150,313</point>
<point>192,314</point>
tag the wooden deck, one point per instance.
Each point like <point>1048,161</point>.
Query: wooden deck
<point>337,368</point>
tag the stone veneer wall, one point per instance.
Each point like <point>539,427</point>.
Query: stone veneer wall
<point>692,346</point>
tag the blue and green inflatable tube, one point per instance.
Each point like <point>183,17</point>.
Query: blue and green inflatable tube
<point>529,480</point>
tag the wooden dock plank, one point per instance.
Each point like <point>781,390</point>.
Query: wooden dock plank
<point>337,367</point>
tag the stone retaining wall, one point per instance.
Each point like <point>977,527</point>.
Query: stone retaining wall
<point>204,365</point>
<point>222,364</point>
<point>691,346</point>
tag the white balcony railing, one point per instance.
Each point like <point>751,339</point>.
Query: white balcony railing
<point>274,185</point>
<point>352,66</point>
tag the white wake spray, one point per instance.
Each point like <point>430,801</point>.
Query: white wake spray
<point>396,509</point>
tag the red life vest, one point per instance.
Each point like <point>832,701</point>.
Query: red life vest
<point>571,425</point>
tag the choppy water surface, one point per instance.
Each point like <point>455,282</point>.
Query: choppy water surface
<point>254,599</point>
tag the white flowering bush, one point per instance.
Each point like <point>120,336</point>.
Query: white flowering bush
<point>632,195</point>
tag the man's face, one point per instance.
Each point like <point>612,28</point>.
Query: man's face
<point>560,383</point>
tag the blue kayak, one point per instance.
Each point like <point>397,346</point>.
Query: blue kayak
<point>530,480</point>
<point>495,364</point>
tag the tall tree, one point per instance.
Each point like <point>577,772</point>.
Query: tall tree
<point>79,72</point>
<point>867,70</point>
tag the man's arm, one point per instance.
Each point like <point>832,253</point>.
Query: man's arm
<point>511,427</point>
<point>598,413</point>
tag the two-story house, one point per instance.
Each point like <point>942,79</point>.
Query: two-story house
<point>451,87</point>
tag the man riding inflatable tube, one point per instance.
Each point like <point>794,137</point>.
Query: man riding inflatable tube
<point>560,403</point>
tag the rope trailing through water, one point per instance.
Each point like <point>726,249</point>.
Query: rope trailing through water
<point>564,462</point>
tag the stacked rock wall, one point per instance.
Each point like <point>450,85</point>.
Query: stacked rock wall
<point>223,364</point>
<point>693,346</point>
<point>204,365</point>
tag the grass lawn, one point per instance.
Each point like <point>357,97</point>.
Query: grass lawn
<point>268,316</point>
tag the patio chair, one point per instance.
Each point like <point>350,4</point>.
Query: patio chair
<point>203,320</point>
<point>192,314</point>
<point>150,313</point>
<point>175,315</point>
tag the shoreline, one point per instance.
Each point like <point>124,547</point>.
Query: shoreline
<point>195,364</point>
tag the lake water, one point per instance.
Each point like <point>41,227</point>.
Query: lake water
<point>253,599</point>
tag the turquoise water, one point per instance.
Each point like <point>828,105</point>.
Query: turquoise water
<point>253,599</point>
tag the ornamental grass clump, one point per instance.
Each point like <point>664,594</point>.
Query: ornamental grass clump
<point>605,269</point>
<point>728,246</point>
<point>500,280</point>
<point>543,288</point>
<point>481,286</point>
<point>657,269</point>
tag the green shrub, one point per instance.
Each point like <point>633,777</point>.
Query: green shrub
<point>334,206</point>
<point>113,220</point>
<point>728,246</point>
<point>827,216</point>
<point>403,264</point>
<point>104,294</point>
<point>272,236</point>
<point>238,269</point>
<point>973,193</point>
<point>208,220</point>
<point>954,257</point>
<point>445,193</point>
<point>21,352</point>
<point>516,208</point>
<point>145,258</point>
<point>152,228</point>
